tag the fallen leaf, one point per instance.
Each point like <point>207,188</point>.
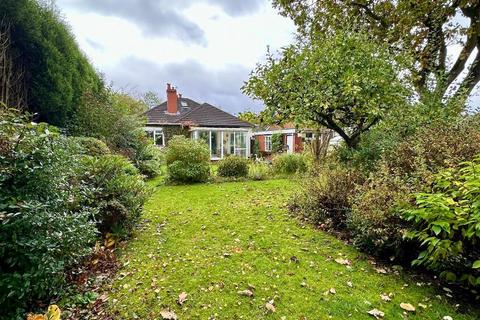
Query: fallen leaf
<point>342,261</point>
<point>385,297</point>
<point>350,284</point>
<point>381,270</point>
<point>421,305</point>
<point>376,313</point>
<point>332,291</point>
<point>182,297</point>
<point>248,293</point>
<point>407,307</point>
<point>447,318</point>
<point>270,307</point>
<point>168,315</point>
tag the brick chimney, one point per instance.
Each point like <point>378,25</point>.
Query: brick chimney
<point>172,99</point>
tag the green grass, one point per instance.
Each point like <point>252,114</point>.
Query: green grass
<point>213,240</point>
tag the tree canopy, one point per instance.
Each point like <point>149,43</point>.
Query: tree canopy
<point>422,29</point>
<point>344,82</point>
<point>56,72</point>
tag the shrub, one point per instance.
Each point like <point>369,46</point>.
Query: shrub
<point>92,147</point>
<point>290,163</point>
<point>259,171</point>
<point>148,160</point>
<point>43,229</point>
<point>407,168</point>
<point>277,142</point>
<point>188,161</point>
<point>233,167</point>
<point>117,191</point>
<point>447,223</point>
<point>39,241</point>
<point>326,196</point>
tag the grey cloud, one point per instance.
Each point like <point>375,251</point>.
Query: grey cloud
<point>154,17</point>
<point>217,87</point>
<point>163,18</point>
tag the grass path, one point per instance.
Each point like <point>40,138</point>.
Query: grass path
<point>212,241</point>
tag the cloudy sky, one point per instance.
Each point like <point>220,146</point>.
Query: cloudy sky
<point>206,48</point>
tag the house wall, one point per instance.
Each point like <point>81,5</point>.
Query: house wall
<point>261,142</point>
<point>298,143</point>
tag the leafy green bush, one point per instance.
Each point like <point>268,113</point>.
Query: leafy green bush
<point>38,242</point>
<point>188,161</point>
<point>117,190</point>
<point>447,223</point>
<point>233,167</point>
<point>259,171</point>
<point>43,227</point>
<point>92,147</point>
<point>290,163</point>
<point>148,160</point>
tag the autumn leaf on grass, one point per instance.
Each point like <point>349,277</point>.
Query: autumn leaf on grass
<point>35,317</point>
<point>381,270</point>
<point>53,313</point>
<point>182,297</point>
<point>385,297</point>
<point>247,293</point>
<point>407,307</point>
<point>342,261</point>
<point>270,307</point>
<point>168,315</point>
<point>376,313</point>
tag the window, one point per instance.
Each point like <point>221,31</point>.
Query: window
<point>223,143</point>
<point>268,143</point>
<point>159,138</point>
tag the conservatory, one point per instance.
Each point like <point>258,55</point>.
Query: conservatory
<point>224,141</point>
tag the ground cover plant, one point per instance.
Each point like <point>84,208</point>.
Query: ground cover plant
<point>232,251</point>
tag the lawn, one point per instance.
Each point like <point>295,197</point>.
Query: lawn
<point>212,241</point>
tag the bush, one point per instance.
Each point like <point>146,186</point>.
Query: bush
<point>326,197</point>
<point>39,241</point>
<point>233,167</point>
<point>277,142</point>
<point>259,171</point>
<point>117,191</point>
<point>447,223</point>
<point>43,229</point>
<point>91,146</point>
<point>188,161</point>
<point>407,168</point>
<point>290,163</point>
<point>148,160</point>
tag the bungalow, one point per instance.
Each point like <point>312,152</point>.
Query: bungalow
<point>294,139</point>
<point>224,133</point>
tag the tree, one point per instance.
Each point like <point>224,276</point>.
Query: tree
<point>250,116</point>
<point>56,73</point>
<point>421,29</point>
<point>344,82</point>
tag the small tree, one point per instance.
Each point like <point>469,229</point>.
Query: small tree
<point>344,82</point>
<point>277,142</point>
<point>187,160</point>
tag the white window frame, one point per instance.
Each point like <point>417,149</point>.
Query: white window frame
<point>233,131</point>
<point>268,143</point>
<point>157,131</point>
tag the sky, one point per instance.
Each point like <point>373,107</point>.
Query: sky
<point>206,48</point>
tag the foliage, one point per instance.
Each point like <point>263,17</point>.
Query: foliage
<point>376,220</point>
<point>251,117</point>
<point>422,30</point>
<point>38,242</point>
<point>447,223</point>
<point>187,160</point>
<point>326,197</point>
<point>148,160</point>
<point>260,170</point>
<point>233,167</point>
<point>57,73</point>
<point>91,146</point>
<point>43,228</point>
<point>117,191</point>
<point>344,82</point>
<point>290,163</point>
<point>277,142</point>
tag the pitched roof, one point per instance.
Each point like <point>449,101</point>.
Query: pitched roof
<point>191,112</point>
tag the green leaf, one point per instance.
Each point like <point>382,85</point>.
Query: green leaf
<point>436,230</point>
<point>476,264</point>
